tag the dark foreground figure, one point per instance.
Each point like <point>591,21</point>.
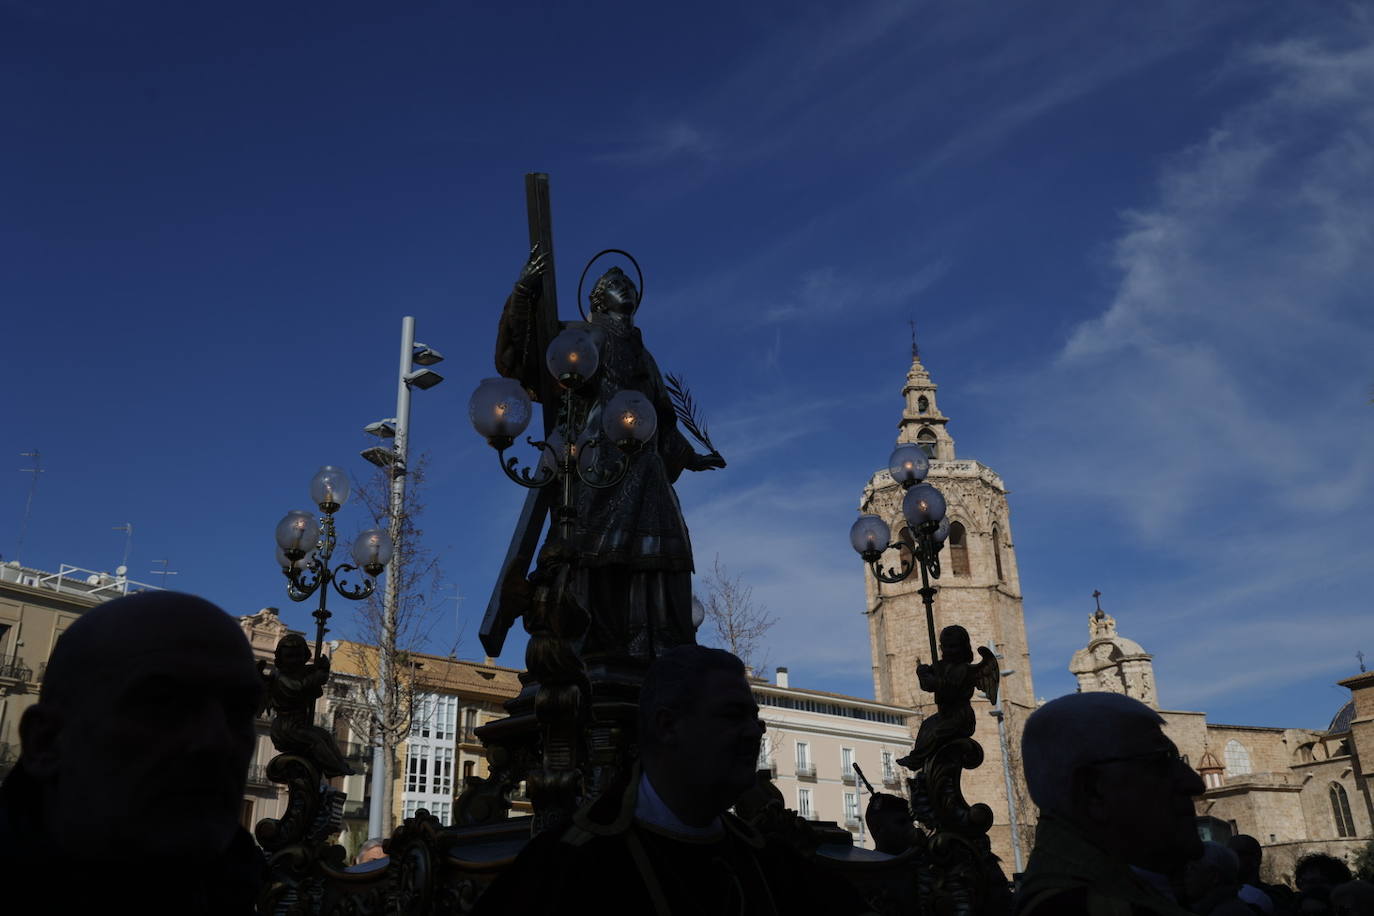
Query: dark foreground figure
<point>127,793</point>
<point>665,843</point>
<point>1116,809</point>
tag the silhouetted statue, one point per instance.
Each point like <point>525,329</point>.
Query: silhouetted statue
<point>952,679</point>
<point>629,556</point>
<point>294,683</point>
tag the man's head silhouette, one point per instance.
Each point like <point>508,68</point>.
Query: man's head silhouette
<point>140,742</point>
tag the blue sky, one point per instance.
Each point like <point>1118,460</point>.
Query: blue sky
<point>1137,240</point>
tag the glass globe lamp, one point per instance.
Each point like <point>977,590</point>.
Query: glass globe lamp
<point>923,504</point>
<point>869,536</point>
<point>908,464</point>
<point>572,357</point>
<point>372,550</point>
<point>629,419</point>
<point>297,534</point>
<point>329,488</point>
<point>499,410</point>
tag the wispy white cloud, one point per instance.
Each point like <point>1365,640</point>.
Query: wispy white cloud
<point>826,292</point>
<point>663,142</point>
<point>1217,406</point>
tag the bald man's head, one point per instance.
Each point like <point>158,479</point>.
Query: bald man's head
<point>143,732</point>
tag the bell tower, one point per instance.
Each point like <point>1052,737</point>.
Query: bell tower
<point>978,588</point>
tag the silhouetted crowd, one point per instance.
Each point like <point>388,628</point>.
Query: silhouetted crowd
<point>127,796</point>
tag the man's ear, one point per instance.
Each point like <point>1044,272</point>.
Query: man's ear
<point>39,730</point>
<point>1088,802</point>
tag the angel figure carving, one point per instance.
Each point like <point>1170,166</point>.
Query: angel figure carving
<point>952,679</point>
<point>293,685</point>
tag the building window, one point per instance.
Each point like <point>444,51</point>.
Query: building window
<point>889,771</point>
<point>958,549</point>
<point>1237,758</point>
<point>804,759</point>
<point>923,404</point>
<point>997,551</point>
<point>1340,811</point>
<point>804,803</point>
<point>468,766</point>
<point>847,763</point>
<point>851,807</point>
<point>445,717</point>
<point>443,771</point>
<point>417,770</point>
<point>764,761</point>
<point>470,724</point>
<point>926,440</point>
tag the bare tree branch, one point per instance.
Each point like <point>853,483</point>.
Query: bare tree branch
<point>738,623</point>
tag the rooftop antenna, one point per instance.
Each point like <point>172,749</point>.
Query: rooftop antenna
<point>28,504</point>
<point>457,598</point>
<point>128,529</point>
<point>164,572</point>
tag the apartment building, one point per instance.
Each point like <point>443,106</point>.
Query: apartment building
<point>814,738</point>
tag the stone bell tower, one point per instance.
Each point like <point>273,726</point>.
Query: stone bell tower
<point>978,588</point>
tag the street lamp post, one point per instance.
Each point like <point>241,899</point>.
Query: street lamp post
<point>305,547</point>
<point>969,878</point>
<point>394,461</point>
<point>597,455</point>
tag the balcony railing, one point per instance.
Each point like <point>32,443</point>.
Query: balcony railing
<point>257,776</point>
<point>848,777</point>
<point>890,781</point>
<point>806,771</point>
<point>15,670</point>
<point>355,809</point>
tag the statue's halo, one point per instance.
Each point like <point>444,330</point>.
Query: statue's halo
<point>583,278</point>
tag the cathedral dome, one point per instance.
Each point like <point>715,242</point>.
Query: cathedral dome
<point>1341,721</point>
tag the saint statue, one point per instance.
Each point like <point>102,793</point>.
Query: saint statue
<point>625,569</point>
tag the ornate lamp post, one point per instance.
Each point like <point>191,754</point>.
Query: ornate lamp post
<point>305,547</point>
<point>580,449</point>
<point>923,507</point>
<point>958,874</point>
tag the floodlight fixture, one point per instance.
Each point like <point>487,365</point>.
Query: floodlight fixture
<point>423,378</point>
<point>383,429</point>
<point>425,356</point>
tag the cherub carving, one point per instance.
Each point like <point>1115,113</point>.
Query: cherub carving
<point>293,685</point>
<point>952,679</point>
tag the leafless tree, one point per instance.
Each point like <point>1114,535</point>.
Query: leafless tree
<point>736,622</point>
<point>386,714</point>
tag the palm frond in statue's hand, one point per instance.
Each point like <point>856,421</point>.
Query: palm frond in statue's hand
<point>686,409</point>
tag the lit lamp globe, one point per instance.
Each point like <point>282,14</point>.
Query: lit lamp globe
<point>372,550</point>
<point>297,534</point>
<point>329,488</point>
<point>923,505</point>
<point>869,536</point>
<point>499,410</point>
<point>908,464</point>
<point>629,419</point>
<point>287,564</point>
<point>572,357</point>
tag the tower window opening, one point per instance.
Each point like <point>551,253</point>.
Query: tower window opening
<point>997,551</point>
<point>923,404</point>
<point>926,440</point>
<point>958,549</point>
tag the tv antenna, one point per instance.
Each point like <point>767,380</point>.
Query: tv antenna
<point>128,529</point>
<point>164,572</point>
<point>28,504</point>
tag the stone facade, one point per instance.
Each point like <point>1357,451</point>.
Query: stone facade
<point>979,589</point>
